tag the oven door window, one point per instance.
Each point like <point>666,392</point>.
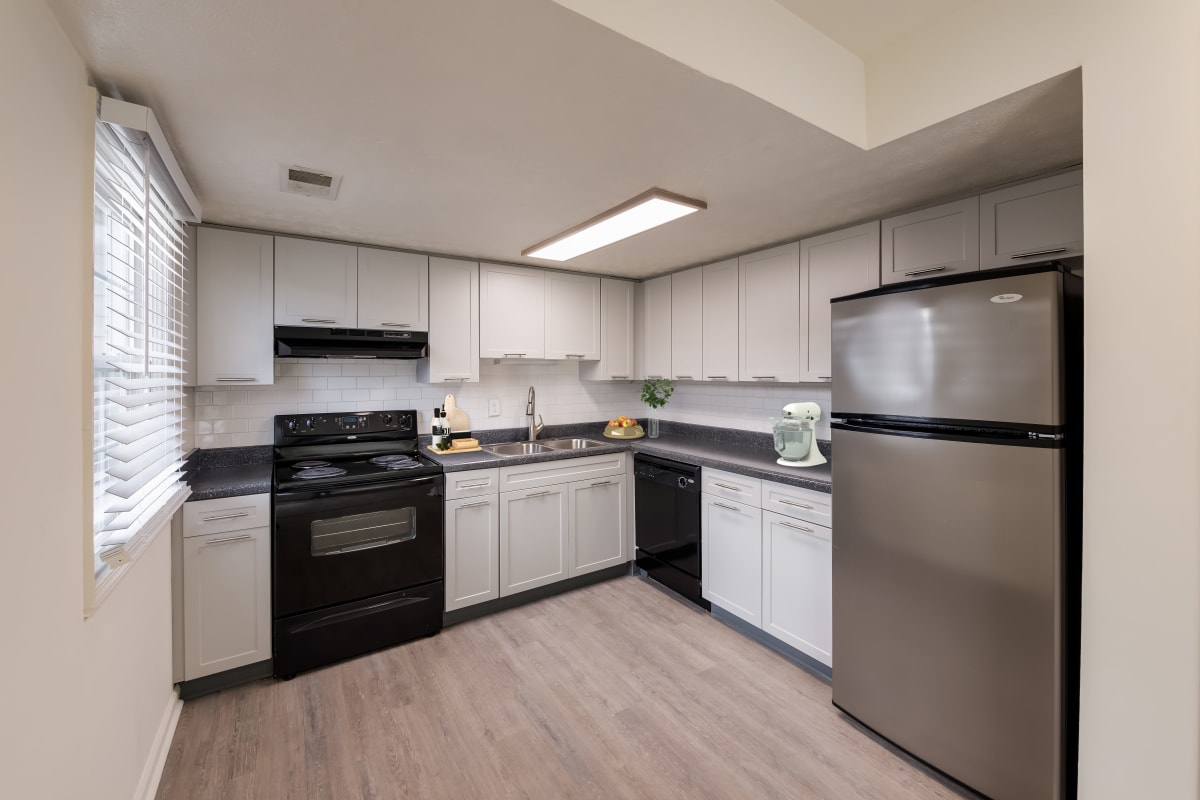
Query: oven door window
<point>330,537</point>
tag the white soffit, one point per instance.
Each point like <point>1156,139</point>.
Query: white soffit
<point>865,26</point>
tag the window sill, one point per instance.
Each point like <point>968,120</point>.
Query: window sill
<point>99,585</point>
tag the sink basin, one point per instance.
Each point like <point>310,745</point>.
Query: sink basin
<point>517,449</point>
<point>571,444</point>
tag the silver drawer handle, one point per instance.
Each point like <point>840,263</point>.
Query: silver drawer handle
<point>323,321</point>
<point>728,508</point>
<point>226,516</point>
<point>618,377</point>
<point>477,503</point>
<point>236,380</point>
<point>655,377</point>
<point>923,271</point>
<point>463,378</point>
<point>1040,253</point>
<point>396,324</point>
<point>574,355</point>
<point>726,486</point>
<point>512,355</point>
<point>763,377</point>
<point>474,485</point>
<point>241,538</point>
<point>538,494</point>
<point>824,377</point>
<point>683,377</point>
<point>602,483</point>
<point>797,527</point>
<point>797,505</point>
<point>718,377</point>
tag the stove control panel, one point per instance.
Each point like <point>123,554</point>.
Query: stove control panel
<point>352,424</point>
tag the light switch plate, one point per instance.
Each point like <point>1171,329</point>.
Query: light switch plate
<point>493,408</point>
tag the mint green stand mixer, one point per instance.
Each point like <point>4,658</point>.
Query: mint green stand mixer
<point>796,435</point>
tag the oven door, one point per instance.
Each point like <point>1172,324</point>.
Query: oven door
<point>346,543</point>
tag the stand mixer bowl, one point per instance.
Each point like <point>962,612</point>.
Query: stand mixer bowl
<point>793,439</point>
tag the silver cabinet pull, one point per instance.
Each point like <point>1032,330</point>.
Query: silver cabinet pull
<point>538,494</point>
<point>602,483</point>
<point>618,377</point>
<point>824,377</point>
<point>463,378</point>
<point>236,380</point>
<point>226,516</point>
<point>396,324</point>
<point>683,377</point>
<point>763,377</point>
<point>323,321</point>
<point>797,505</point>
<point>728,508</point>
<point>797,527</point>
<point>718,377</point>
<point>923,271</point>
<point>241,538</point>
<point>1040,253</point>
<point>726,486</point>
<point>474,485</point>
<point>655,377</point>
<point>514,355</point>
<point>574,355</point>
<point>477,503</point>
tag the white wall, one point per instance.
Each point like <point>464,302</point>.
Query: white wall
<point>80,701</point>
<point>1140,725</point>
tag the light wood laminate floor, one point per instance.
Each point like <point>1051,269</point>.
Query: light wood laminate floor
<point>613,691</point>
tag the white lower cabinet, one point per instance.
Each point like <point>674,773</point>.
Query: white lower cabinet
<point>472,551</point>
<point>731,557</point>
<point>597,535</point>
<point>534,527</point>
<point>798,584</point>
<point>226,586</point>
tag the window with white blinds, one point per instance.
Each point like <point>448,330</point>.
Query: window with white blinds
<point>138,343</point>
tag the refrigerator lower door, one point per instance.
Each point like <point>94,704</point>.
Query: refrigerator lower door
<point>947,605</point>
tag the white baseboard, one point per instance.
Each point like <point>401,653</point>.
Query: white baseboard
<point>152,772</point>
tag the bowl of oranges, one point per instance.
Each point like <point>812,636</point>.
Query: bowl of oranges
<point>623,428</point>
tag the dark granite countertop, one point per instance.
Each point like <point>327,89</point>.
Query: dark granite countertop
<point>229,472</point>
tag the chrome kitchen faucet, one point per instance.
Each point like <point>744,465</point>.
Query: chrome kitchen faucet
<point>535,427</point>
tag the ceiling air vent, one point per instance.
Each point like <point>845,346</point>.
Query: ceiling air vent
<point>308,182</point>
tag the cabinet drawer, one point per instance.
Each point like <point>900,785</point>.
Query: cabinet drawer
<point>794,501</point>
<point>203,517</point>
<point>731,486</point>
<point>548,473</point>
<point>472,483</point>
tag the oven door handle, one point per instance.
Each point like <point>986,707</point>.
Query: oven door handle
<point>343,491</point>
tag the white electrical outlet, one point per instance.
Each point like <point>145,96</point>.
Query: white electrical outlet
<point>493,408</point>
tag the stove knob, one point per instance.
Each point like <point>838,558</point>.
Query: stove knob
<point>310,423</point>
<point>291,425</point>
<point>387,418</point>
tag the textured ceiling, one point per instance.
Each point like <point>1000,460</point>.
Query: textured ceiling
<point>479,128</point>
<point>865,26</point>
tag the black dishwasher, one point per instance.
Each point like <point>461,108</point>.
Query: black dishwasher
<point>667,511</point>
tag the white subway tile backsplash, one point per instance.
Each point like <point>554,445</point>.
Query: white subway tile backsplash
<point>327,369</point>
<point>369,383</point>
<point>355,370</point>
<point>342,383</point>
<point>312,383</point>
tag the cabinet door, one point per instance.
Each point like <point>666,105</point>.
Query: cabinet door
<point>656,328</point>
<point>597,525</point>
<point>731,557</point>
<point>931,242</point>
<point>616,334</point>
<point>572,316</point>
<point>833,265</point>
<point>1032,222</point>
<point>472,551</point>
<point>533,538</point>
<point>512,312</point>
<point>226,601</point>
<point>769,315</point>
<point>720,342</point>
<point>393,290</point>
<point>453,322</point>
<point>234,308</point>
<point>316,283</point>
<point>798,584</point>
<point>687,324</point>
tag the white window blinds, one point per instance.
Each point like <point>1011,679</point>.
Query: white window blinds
<point>139,341</point>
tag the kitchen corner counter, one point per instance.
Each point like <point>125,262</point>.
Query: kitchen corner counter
<point>229,472</point>
<point>743,459</point>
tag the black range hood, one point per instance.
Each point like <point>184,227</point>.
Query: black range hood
<point>299,342</point>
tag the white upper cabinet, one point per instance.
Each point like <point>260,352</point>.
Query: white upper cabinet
<point>572,316</point>
<point>316,283</point>
<point>512,312</point>
<point>770,315</point>
<point>687,324</point>
<point>616,334</point>
<point>655,325</point>
<point>393,290</point>
<point>835,264</point>
<point>931,242</point>
<point>1032,221</point>
<point>453,322</point>
<point>234,308</point>
<point>720,344</point>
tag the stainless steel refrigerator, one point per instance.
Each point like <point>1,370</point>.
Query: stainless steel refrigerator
<point>957,433</point>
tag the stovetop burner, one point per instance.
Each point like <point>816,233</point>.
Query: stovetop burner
<point>312,473</point>
<point>397,459</point>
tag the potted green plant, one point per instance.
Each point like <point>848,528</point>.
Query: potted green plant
<point>655,393</point>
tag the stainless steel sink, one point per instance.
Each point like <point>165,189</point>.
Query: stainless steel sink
<point>517,449</point>
<point>572,444</point>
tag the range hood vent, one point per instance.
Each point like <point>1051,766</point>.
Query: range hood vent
<point>300,342</point>
<point>308,182</point>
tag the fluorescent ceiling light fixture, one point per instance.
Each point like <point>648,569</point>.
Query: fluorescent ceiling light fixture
<point>647,210</point>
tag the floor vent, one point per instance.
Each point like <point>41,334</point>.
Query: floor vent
<point>308,182</point>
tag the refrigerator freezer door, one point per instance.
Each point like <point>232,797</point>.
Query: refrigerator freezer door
<point>946,609</point>
<point>987,350</point>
